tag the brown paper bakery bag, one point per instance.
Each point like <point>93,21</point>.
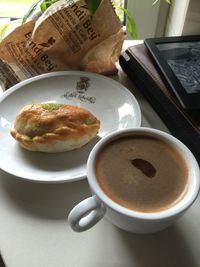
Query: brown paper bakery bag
<point>64,37</point>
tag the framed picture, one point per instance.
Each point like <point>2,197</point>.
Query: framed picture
<point>178,58</point>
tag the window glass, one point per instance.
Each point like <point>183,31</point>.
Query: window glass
<point>120,13</point>
<point>14,8</point>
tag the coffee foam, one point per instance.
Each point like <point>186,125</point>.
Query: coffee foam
<point>130,185</point>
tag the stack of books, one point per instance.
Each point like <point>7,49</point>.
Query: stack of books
<point>143,71</point>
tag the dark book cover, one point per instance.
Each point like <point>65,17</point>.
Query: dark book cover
<point>142,70</point>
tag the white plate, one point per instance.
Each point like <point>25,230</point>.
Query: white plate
<point>107,99</point>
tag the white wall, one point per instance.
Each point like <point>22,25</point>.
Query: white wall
<point>150,19</point>
<point>184,18</point>
<point>192,21</point>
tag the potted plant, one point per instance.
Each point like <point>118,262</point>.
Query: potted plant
<point>42,5</point>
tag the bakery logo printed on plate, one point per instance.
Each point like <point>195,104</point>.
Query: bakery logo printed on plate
<point>81,91</point>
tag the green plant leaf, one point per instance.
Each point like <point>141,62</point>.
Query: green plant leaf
<point>3,29</point>
<point>92,5</point>
<point>130,23</point>
<point>45,4</point>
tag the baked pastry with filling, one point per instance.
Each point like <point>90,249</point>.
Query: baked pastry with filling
<point>54,127</point>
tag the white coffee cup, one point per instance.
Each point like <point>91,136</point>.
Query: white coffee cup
<point>88,212</point>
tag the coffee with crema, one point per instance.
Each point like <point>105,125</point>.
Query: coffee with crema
<point>142,173</point>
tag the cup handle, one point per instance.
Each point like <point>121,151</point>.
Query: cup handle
<point>86,214</point>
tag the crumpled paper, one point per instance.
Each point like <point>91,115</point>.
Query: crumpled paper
<point>64,37</point>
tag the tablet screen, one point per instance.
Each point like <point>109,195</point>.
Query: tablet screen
<point>184,60</point>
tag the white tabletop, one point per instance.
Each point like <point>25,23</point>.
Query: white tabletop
<point>34,231</point>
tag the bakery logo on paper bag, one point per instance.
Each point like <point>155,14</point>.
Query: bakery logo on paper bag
<point>49,43</point>
<point>80,93</point>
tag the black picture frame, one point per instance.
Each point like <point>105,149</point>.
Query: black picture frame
<point>178,58</point>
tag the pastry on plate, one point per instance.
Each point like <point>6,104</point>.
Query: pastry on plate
<point>54,127</point>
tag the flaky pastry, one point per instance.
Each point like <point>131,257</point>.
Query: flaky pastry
<point>54,127</point>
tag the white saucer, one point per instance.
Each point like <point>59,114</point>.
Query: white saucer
<point>107,99</point>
